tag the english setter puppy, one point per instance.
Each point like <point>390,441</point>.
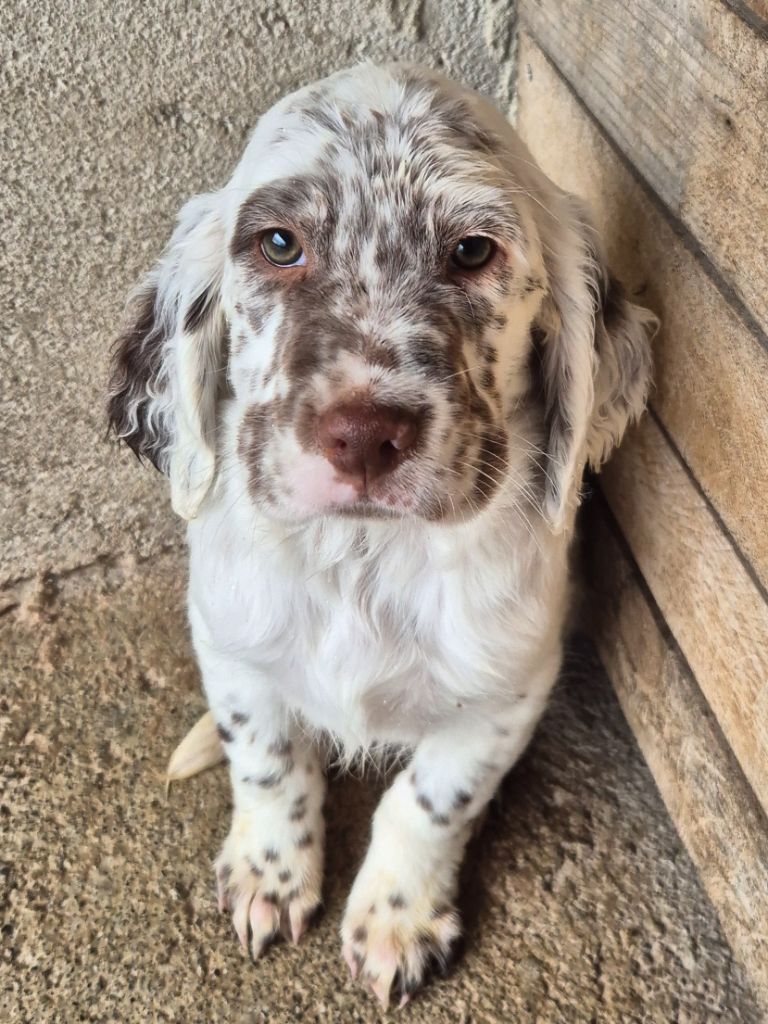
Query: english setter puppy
<point>374,366</point>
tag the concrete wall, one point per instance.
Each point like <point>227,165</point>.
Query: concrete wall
<point>115,113</point>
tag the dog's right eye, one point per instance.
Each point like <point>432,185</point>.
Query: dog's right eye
<point>472,253</point>
<point>282,248</point>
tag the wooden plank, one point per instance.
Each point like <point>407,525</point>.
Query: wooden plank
<point>710,390</point>
<point>682,89</point>
<point>753,12</point>
<point>712,806</point>
<point>715,611</point>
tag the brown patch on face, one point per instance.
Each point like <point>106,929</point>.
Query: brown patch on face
<point>240,342</point>
<point>251,443</point>
<point>491,464</point>
<point>257,316</point>
<point>381,355</point>
<point>532,284</point>
<point>266,208</point>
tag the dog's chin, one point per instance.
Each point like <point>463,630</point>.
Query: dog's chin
<point>426,506</point>
<point>362,506</point>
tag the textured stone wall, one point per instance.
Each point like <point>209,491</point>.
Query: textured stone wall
<point>113,113</point>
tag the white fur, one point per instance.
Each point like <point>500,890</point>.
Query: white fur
<point>440,640</point>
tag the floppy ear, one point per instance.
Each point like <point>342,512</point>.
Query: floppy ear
<point>595,353</point>
<point>166,366</point>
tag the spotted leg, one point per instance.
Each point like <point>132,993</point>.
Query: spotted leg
<point>269,871</point>
<point>400,919</point>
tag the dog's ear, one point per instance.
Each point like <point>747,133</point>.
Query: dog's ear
<point>595,354</point>
<point>168,365</point>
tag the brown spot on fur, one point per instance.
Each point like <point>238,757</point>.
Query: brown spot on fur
<point>251,443</point>
<point>425,803</point>
<point>224,734</point>
<point>268,781</point>
<point>360,934</point>
<point>284,875</point>
<point>397,901</point>
<point>271,855</point>
<point>532,284</point>
<point>490,468</point>
<point>613,304</point>
<point>239,718</point>
<point>280,748</point>
<point>304,841</point>
<point>198,310</point>
<point>134,372</point>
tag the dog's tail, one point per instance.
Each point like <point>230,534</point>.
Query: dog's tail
<point>200,749</point>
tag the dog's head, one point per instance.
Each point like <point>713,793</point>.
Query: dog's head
<point>388,311</point>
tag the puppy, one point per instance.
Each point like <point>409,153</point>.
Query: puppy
<point>374,366</point>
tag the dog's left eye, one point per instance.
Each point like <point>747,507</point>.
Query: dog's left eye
<point>472,252</point>
<point>282,248</point>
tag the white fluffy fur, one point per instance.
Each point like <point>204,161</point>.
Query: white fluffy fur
<point>441,640</point>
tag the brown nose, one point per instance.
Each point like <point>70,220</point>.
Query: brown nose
<point>366,441</point>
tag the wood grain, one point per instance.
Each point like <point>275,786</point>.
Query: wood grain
<point>682,88</point>
<point>753,12</point>
<point>712,806</point>
<point>711,389</point>
<point>717,615</point>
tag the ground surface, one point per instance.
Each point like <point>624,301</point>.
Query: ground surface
<point>580,904</point>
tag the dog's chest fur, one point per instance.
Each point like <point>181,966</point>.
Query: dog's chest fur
<point>379,632</point>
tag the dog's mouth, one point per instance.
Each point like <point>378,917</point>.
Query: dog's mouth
<point>316,487</point>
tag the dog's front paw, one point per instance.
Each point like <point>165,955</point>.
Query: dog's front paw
<point>394,936</point>
<point>271,878</point>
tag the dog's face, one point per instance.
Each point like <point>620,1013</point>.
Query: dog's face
<point>369,285</point>
<point>380,291</point>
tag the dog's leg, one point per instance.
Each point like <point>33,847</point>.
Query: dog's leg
<point>269,871</point>
<point>400,920</point>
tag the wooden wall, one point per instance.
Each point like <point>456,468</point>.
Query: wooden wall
<point>657,114</point>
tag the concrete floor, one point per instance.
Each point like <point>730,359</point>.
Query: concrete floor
<point>580,904</point>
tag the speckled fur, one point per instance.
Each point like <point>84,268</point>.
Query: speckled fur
<point>427,618</point>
